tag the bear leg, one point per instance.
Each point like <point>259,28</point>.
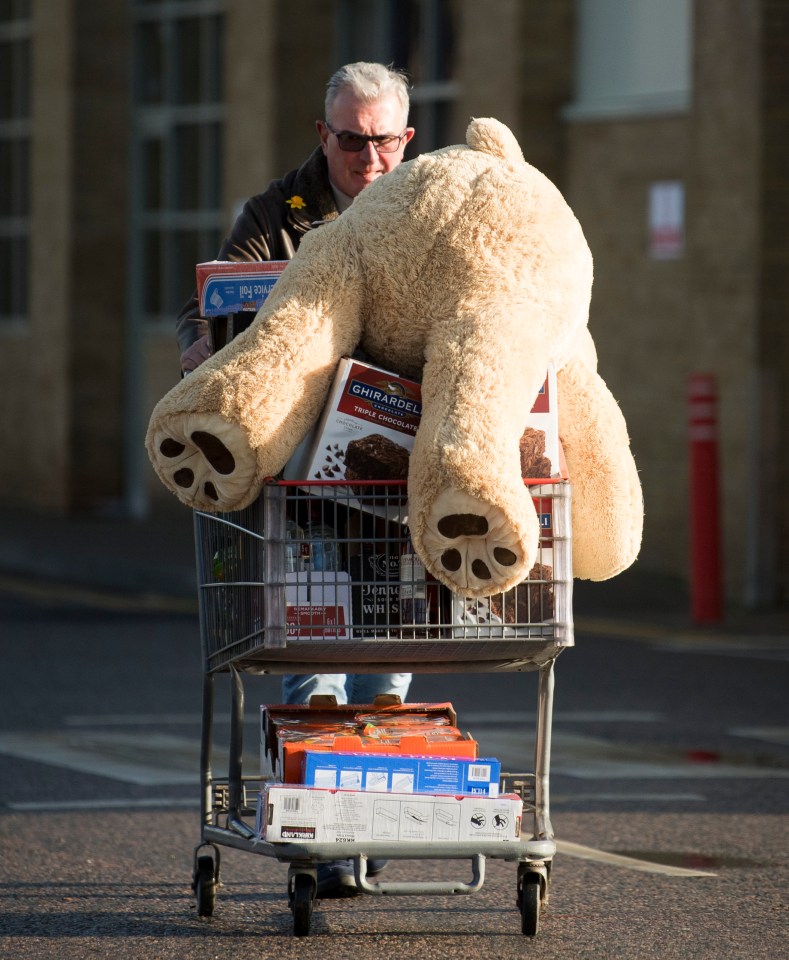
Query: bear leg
<point>205,459</point>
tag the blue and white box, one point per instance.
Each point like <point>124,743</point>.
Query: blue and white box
<point>225,286</point>
<point>398,773</point>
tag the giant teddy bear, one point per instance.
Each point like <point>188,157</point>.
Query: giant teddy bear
<point>466,268</point>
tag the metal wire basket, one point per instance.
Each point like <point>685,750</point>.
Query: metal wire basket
<point>323,574</point>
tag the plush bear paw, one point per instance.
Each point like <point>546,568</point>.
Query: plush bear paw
<point>205,461</point>
<point>472,546</point>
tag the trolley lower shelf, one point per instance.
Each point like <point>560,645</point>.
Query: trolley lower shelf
<point>226,813</point>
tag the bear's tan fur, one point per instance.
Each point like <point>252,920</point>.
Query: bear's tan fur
<point>466,268</point>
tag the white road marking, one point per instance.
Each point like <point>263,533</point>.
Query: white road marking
<point>629,863</point>
<point>94,744</point>
<point>779,735</point>
<point>563,716</point>
<point>592,758</point>
<point>145,759</point>
<point>473,718</point>
<point>139,719</point>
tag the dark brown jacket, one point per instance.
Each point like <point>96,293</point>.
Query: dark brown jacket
<point>269,228</point>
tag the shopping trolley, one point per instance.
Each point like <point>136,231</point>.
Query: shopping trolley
<point>320,578</point>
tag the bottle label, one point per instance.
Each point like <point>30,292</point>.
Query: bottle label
<point>375,592</point>
<point>413,590</point>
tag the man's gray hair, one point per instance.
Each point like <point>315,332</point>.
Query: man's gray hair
<point>370,82</point>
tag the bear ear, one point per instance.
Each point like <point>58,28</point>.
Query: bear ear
<point>491,136</point>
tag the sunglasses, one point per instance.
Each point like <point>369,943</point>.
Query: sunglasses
<point>356,142</point>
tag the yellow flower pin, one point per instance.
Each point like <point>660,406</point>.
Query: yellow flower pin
<point>296,202</point>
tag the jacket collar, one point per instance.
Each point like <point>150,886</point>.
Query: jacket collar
<point>311,183</point>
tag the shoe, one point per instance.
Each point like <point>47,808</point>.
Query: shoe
<point>374,867</point>
<point>336,880</point>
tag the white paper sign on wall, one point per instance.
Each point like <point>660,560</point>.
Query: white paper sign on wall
<point>666,220</point>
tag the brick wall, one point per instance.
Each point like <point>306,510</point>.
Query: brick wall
<point>640,309</point>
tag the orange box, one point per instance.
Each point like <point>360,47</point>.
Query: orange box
<point>293,752</point>
<point>284,758</point>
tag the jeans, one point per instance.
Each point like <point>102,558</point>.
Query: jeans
<point>347,688</point>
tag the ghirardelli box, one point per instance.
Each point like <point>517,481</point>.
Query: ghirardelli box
<point>369,422</point>
<point>367,429</point>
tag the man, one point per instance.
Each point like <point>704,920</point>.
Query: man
<point>362,137</point>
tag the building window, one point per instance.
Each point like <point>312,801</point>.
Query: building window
<point>417,36</point>
<point>15,82</point>
<point>178,128</point>
<point>633,58</point>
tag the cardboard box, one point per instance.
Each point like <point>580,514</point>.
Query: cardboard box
<point>318,604</point>
<point>367,428</point>
<point>284,759</point>
<point>364,402</point>
<point>225,287</point>
<point>401,773</point>
<point>289,757</point>
<point>540,456</point>
<point>310,815</point>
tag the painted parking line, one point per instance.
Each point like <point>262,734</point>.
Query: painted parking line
<point>593,758</point>
<point>779,735</point>
<point>511,717</point>
<point>144,759</point>
<point>629,863</point>
<point>139,719</point>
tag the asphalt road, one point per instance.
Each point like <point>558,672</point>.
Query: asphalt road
<point>669,789</point>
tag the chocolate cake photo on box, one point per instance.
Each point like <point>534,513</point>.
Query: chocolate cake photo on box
<point>376,457</point>
<point>534,463</point>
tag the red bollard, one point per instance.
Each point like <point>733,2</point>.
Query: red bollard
<point>704,507</point>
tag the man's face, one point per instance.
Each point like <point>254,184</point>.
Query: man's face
<point>352,172</point>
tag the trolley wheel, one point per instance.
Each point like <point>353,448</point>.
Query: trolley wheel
<point>204,886</point>
<point>530,904</point>
<point>302,901</point>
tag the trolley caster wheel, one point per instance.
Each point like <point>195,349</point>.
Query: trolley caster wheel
<point>204,886</point>
<point>530,904</point>
<point>302,900</point>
